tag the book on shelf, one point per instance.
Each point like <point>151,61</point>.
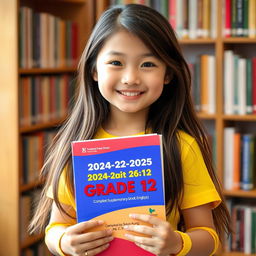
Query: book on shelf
<point>28,201</point>
<point>239,84</point>
<point>115,177</point>
<point>190,19</point>
<point>34,148</point>
<point>243,239</point>
<point>204,83</point>
<point>239,18</point>
<point>239,163</point>
<point>44,98</point>
<point>46,41</point>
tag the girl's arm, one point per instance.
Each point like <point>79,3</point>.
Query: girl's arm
<point>202,240</point>
<point>163,240</point>
<point>63,238</point>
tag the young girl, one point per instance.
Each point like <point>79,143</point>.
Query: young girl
<point>133,80</point>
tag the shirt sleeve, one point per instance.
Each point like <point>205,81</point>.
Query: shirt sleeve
<point>199,188</point>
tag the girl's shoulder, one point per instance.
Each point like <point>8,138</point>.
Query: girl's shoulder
<point>185,138</point>
<point>187,144</point>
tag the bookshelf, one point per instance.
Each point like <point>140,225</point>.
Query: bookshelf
<point>12,133</point>
<point>218,121</point>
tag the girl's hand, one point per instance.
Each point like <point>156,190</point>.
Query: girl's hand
<point>77,242</point>
<point>162,241</point>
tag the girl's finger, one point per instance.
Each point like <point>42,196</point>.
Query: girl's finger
<point>91,236</point>
<point>95,251</point>
<point>83,226</point>
<point>94,244</point>
<point>141,229</point>
<point>140,239</point>
<point>147,218</point>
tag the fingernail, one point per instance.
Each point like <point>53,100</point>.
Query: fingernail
<point>126,227</point>
<point>132,215</point>
<point>100,222</point>
<point>128,236</point>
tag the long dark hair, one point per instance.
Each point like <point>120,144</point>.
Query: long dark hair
<point>172,112</point>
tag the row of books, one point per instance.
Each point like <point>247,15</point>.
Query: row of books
<point>190,18</point>
<point>44,98</point>
<point>239,84</point>
<point>239,160</point>
<point>28,202</point>
<point>243,239</point>
<point>46,41</point>
<point>34,149</point>
<point>39,249</point>
<point>239,18</point>
<point>204,83</point>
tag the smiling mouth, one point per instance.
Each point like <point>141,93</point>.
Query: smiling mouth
<point>130,94</point>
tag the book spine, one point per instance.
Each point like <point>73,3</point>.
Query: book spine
<point>212,84</point>
<point>204,83</point>
<point>228,157</point>
<point>247,162</point>
<point>234,18</point>
<point>172,13</point>
<point>228,82</point>
<point>254,84</point>
<point>242,86</point>
<point>227,32</point>
<point>249,92</point>
<point>192,25</point>
<point>252,19</point>
<point>240,17</point>
<point>237,160</point>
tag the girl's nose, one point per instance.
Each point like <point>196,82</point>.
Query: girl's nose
<point>130,77</point>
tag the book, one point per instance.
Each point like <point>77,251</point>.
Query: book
<point>117,176</point>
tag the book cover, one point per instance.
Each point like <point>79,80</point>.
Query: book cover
<point>117,176</point>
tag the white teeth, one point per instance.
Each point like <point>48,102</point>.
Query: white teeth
<point>130,93</point>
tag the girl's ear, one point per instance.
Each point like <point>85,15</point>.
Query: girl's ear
<point>167,79</point>
<point>95,75</point>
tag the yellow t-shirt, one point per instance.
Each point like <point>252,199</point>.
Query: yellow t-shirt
<point>198,186</point>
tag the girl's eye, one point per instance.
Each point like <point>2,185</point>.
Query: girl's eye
<point>115,63</point>
<point>148,64</point>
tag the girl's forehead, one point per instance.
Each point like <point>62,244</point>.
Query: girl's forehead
<point>123,40</point>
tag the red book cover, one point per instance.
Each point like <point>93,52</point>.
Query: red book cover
<point>227,18</point>
<point>254,84</point>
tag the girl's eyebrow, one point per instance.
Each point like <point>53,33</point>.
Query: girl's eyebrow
<point>148,54</point>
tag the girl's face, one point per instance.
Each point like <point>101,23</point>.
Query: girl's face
<point>129,76</point>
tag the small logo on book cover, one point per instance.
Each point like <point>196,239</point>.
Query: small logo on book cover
<point>151,212</point>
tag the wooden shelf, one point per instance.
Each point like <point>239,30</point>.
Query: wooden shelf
<point>239,117</point>
<point>198,41</point>
<point>38,71</point>
<point>235,40</point>
<point>30,186</point>
<point>206,116</point>
<point>240,193</point>
<point>39,127</point>
<point>31,240</point>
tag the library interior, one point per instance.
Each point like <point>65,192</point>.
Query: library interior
<point>41,43</point>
